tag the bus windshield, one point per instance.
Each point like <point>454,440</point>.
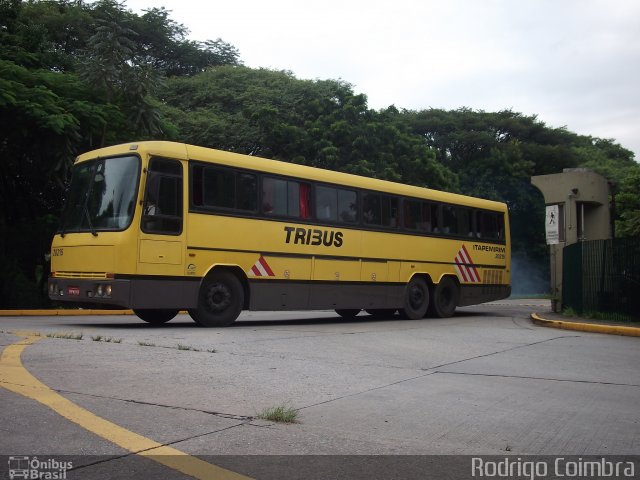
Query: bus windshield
<point>101,196</point>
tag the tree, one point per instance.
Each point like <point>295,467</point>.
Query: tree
<point>628,204</point>
<point>321,123</point>
<point>73,77</point>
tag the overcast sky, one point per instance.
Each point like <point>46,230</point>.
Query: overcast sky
<point>574,63</point>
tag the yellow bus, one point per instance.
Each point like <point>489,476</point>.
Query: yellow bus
<point>160,227</point>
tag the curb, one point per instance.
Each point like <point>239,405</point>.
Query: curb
<point>587,327</point>
<point>62,313</point>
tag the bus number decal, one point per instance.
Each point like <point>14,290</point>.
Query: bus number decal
<point>312,236</point>
<point>57,252</point>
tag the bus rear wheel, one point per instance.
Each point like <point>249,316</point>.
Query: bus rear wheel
<point>416,299</point>
<point>155,316</point>
<point>444,299</point>
<point>220,300</point>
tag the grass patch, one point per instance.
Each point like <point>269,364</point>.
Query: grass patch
<point>569,312</point>
<point>280,414</point>
<point>100,338</point>
<point>610,317</point>
<point>146,344</point>
<point>596,315</point>
<point>66,336</point>
<point>188,347</point>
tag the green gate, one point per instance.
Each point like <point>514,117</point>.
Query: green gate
<point>572,277</point>
<point>603,277</point>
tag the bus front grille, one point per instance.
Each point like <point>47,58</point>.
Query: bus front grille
<point>99,275</point>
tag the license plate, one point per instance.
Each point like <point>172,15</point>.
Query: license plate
<point>73,291</point>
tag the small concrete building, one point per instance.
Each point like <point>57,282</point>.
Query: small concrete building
<point>577,203</point>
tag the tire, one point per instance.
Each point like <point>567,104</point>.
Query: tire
<point>416,299</point>
<point>156,316</point>
<point>381,312</point>
<point>445,298</point>
<point>220,300</point>
<point>348,312</point>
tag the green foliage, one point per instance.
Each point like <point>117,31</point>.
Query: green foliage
<point>321,123</point>
<point>628,204</point>
<point>73,77</point>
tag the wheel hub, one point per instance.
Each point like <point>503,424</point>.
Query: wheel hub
<point>218,297</point>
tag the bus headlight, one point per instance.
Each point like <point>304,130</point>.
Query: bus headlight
<point>103,290</point>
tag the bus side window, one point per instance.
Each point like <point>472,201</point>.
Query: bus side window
<point>449,222</point>
<point>371,211</point>
<point>429,217</point>
<point>412,214</point>
<point>389,212</point>
<point>436,217</point>
<point>465,224</point>
<point>491,225</point>
<point>336,205</point>
<point>246,192</point>
<point>286,198</point>
<point>219,188</point>
<point>347,206</point>
<point>326,203</point>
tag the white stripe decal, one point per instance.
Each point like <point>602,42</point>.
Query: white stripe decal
<point>465,267</point>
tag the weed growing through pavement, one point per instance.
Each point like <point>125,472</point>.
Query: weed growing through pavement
<point>188,347</point>
<point>66,336</point>
<point>146,344</point>
<point>100,338</point>
<point>280,414</point>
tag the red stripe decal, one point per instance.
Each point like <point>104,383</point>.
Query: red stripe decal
<point>266,266</point>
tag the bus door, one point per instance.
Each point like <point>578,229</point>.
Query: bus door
<point>162,246</point>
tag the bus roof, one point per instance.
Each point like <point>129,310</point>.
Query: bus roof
<point>183,151</point>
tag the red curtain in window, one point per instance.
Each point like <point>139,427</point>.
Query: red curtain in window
<point>305,191</point>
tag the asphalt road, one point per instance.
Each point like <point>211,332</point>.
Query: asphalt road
<point>486,382</point>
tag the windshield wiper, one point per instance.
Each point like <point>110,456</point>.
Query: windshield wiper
<point>91,229</point>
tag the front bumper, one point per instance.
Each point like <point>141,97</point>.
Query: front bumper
<point>136,292</point>
<point>99,291</point>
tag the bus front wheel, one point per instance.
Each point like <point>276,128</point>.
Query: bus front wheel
<point>155,316</point>
<point>220,300</point>
<point>416,299</point>
<point>444,299</point>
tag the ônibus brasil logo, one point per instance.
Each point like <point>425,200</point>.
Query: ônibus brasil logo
<point>34,468</point>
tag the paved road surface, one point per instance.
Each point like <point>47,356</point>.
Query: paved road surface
<point>486,382</point>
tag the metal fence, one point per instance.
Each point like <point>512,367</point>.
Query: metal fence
<point>602,277</point>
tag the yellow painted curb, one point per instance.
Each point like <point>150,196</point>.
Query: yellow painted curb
<point>587,327</point>
<point>53,313</point>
